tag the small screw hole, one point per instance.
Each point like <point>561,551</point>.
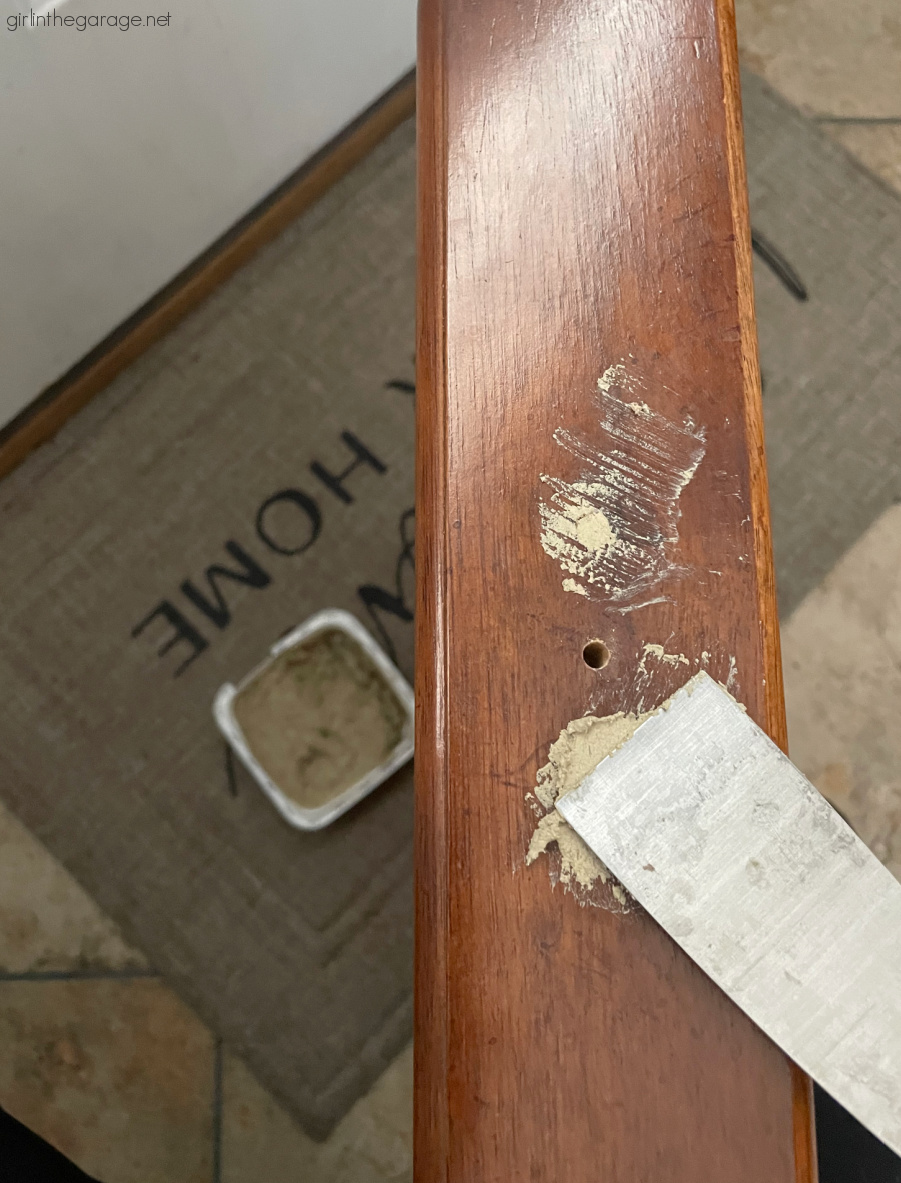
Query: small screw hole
<point>596,655</point>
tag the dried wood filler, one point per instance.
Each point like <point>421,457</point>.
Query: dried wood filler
<point>320,718</point>
<point>580,747</point>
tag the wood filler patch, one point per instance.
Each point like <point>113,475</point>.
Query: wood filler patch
<point>577,751</point>
<point>614,528</point>
<point>579,748</point>
<point>320,718</point>
<point>612,532</point>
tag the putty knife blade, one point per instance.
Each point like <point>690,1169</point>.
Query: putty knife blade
<point>735,853</point>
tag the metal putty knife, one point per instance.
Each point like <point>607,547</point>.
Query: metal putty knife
<point>735,853</point>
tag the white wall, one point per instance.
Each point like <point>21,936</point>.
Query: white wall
<point>124,154</point>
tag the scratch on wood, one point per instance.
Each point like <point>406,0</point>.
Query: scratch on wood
<point>661,655</point>
<point>615,527</point>
<point>635,607</point>
<point>645,687</point>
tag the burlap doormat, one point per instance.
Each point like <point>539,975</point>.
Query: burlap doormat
<point>255,467</point>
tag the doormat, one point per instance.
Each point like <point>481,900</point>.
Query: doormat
<point>251,469</point>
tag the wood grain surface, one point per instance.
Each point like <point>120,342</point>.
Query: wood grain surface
<point>582,207</point>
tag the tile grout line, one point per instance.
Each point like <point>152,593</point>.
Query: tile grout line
<point>862,120</point>
<point>78,975</point>
<point>217,1110</point>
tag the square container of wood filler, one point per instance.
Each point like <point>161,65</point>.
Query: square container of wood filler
<point>322,721</point>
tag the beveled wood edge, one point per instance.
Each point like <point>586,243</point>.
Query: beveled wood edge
<point>431,1135</point>
<point>802,1089</point>
<point>44,417</point>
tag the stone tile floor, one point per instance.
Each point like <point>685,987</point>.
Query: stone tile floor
<point>105,1062</point>
<point>115,1072</point>
<point>840,62</point>
<point>99,1055</point>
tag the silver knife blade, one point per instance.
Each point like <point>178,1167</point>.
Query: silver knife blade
<point>736,854</point>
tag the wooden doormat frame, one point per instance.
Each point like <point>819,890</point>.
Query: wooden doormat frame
<point>44,417</point>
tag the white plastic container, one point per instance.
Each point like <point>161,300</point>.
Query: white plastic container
<point>332,620</point>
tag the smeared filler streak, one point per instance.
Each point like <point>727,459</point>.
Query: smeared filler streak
<point>615,526</point>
